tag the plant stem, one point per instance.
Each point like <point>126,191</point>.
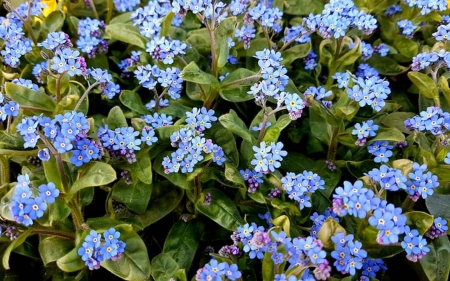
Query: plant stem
<point>212,39</point>
<point>408,204</point>
<point>59,161</point>
<point>4,165</point>
<point>333,68</point>
<point>333,144</point>
<point>91,2</point>
<point>77,216</point>
<point>53,232</point>
<point>58,87</point>
<point>110,6</point>
<point>266,34</point>
<point>85,95</point>
<point>26,22</point>
<point>245,79</point>
<point>265,120</point>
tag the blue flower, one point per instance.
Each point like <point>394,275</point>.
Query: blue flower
<point>48,192</point>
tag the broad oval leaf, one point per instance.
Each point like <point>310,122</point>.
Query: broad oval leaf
<point>29,99</point>
<point>92,174</point>
<point>222,210</point>
<point>125,32</point>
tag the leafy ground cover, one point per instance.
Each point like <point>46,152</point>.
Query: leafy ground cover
<point>235,140</point>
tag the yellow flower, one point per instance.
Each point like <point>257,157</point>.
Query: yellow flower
<point>51,6</point>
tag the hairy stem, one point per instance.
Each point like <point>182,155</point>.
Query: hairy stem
<point>58,87</point>
<point>110,7</point>
<point>333,144</point>
<point>77,216</point>
<point>4,165</point>
<point>85,95</point>
<point>245,79</point>
<point>53,232</point>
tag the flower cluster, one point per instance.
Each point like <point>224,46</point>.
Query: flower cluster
<point>414,244</point>
<point>215,271</point>
<point>66,132</point>
<point>89,40</point>
<point>68,61</point>
<point>348,253</point>
<point>268,157</point>
<point>439,228</point>
<point>105,80</point>
<point>381,150</point>
<point>392,10</point>
<point>354,199</point>
<point>126,5</point>
<point>388,178</point>
<point>371,91</point>
<point>124,141</point>
<point>389,221</point>
<point>55,41</point>
<point>8,108</point>
<point>427,6</point>
<point>338,17</point>
<point>151,76</point>
<point>365,71</point>
<point>128,62</point>
<point>433,60</point>
<point>157,120</point>
<point>165,50</point>
<point>296,33</point>
<point>204,9</point>
<point>94,249</point>
<point>149,18</point>
<point>318,220</point>
<point>310,60</point>
<point>15,44</point>
<point>300,186</point>
<point>407,28</point>
<point>24,206</point>
<point>434,121</point>
<point>364,131</point>
<point>442,33</point>
<point>421,183</point>
<point>191,143</point>
<point>253,179</point>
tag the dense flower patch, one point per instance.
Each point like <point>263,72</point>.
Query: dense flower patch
<point>236,140</point>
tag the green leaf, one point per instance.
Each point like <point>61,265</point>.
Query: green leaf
<point>232,174</point>
<point>329,228</point>
<point>133,101</point>
<point>53,248</point>
<point>420,220</point>
<point>52,173</point>
<point>116,119</point>
<point>14,244</point>
<point>268,267</point>
<point>386,66</point>
<point>235,124</point>
<point>296,52</point>
<point>425,149</point>
<point>397,120</point>
<point>54,21</point>
<point>142,168</point>
<point>164,267</point>
<point>166,24</point>
<point>352,55</point>
<point>297,163</point>
<point>134,196</point>
<point>438,205</point>
<point>273,132</point>
<point>59,210</point>
<point>302,7</point>
<point>71,262</point>
<point>125,32</point>
<point>92,174</point>
<point>236,94</point>
<point>225,30</point>
<point>319,126</point>
<point>407,47</point>
<point>436,262</point>
<point>426,85</point>
<point>241,74</point>
<point>221,209</point>
<point>183,240</point>
<point>331,178</point>
<point>193,73</point>
<point>164,198</point>
<point>134,263</point>
<point>35,101</point>
<point>225,139</point>
<point>388,134</point>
